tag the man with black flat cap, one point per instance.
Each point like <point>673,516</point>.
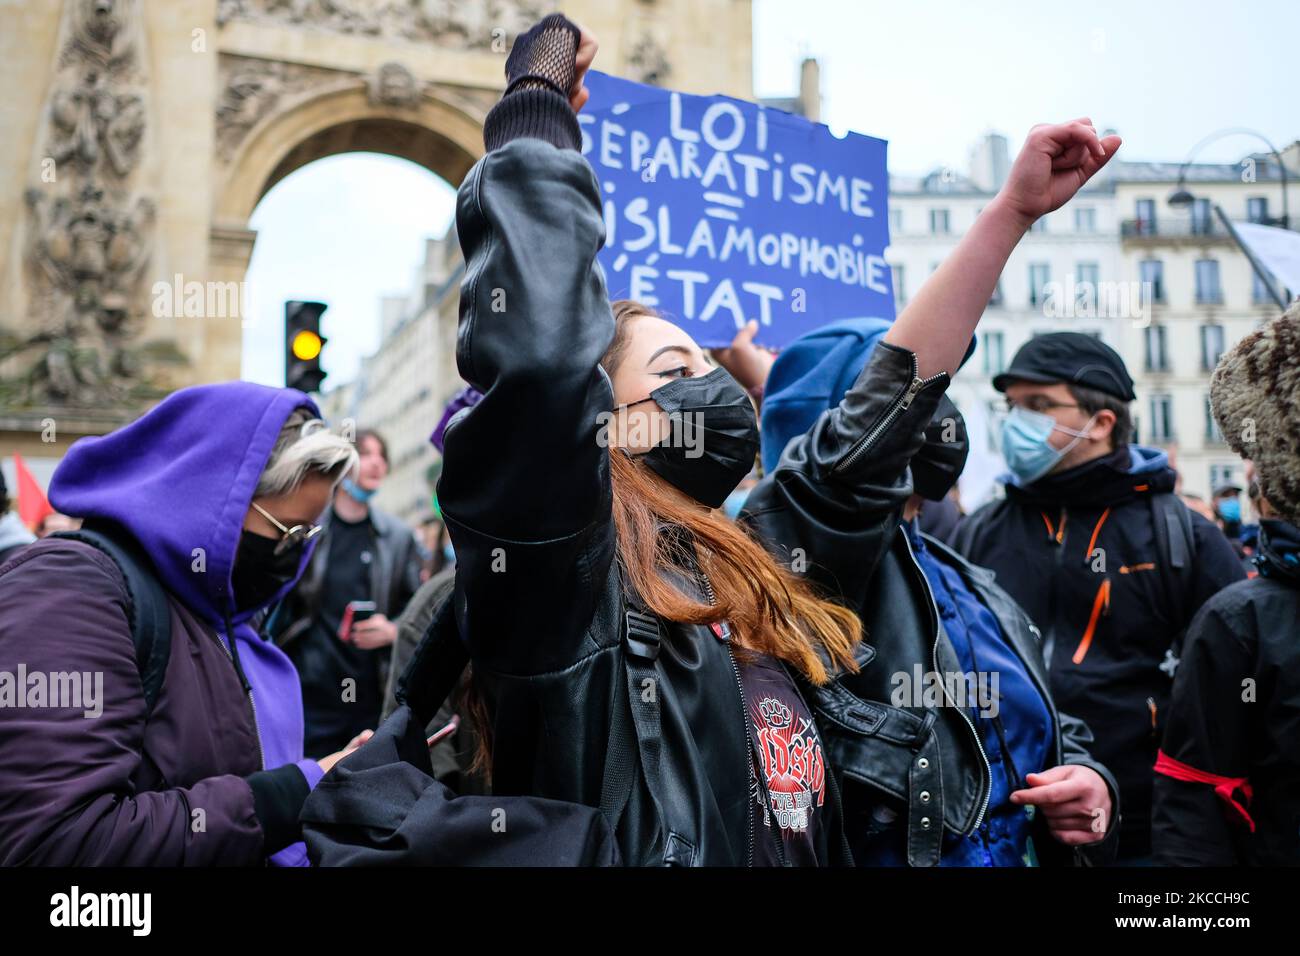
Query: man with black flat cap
<point>1092,542</point>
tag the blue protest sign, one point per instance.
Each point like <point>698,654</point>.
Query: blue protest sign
<point>719,211</point>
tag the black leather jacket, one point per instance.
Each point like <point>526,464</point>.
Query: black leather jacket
<point>525,491</point>
<point>832,508</point>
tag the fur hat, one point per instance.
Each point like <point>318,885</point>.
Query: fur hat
<point>1255,393</point>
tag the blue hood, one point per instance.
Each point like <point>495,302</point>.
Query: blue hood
<point>180,478</point>
<point>1146,461</point>
<point>810,375</point>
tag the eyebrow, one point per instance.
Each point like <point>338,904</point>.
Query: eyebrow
<point>669,348</point>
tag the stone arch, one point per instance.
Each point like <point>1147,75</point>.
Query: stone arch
<point>443,136</point>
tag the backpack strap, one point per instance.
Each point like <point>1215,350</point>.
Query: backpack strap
<point>635,734</point>
<point>148,612</point>
<point>641,639</point>
<point>1176,549</point>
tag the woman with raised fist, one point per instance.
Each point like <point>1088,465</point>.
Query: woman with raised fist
<point>632,648</point>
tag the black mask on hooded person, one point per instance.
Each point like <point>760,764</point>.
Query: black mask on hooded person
<point>939,463</point>
<point>259,572</point>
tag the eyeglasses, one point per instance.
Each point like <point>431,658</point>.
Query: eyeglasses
<point>290,536</point>
<point>1038,403</point>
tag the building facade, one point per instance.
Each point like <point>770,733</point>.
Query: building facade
<point>1203,294</point>
<point>402,388</point>
<point>1168,288</point>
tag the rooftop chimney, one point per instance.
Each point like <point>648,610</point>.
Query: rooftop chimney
<point>990,162</point>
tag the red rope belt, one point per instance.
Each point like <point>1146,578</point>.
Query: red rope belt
<point>1224,787</point>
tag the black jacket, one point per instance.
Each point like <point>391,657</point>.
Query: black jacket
<point>1235,713</point>
<point>1080,553</point>
<point>452,758</point>
<point>832,509</point>
<point>525,491</point>
<point>381,807</point>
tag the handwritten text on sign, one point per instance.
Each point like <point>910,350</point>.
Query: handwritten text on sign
<point>719,211</point>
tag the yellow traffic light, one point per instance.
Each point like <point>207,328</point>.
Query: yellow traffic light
<point>306,345</point>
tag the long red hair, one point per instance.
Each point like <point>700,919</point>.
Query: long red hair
<point>769,608</point>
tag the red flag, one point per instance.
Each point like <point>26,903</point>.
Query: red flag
<point>33,506</point>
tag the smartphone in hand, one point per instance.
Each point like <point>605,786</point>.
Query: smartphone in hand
<point>354,612</point>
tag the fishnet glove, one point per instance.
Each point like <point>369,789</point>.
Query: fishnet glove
<point>545,57</point>
<point>540,71</point>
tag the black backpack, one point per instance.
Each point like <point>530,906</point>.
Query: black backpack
<point>149,614</point>
<point>1175,547</point>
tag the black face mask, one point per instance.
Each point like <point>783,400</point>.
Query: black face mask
<point>259,572</point>
<point>940,461</point>
<point>714,436</point>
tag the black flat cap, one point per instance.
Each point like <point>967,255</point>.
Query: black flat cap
<point>1072,358</point>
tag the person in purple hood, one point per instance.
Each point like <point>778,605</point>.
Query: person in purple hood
<point>220,487</point>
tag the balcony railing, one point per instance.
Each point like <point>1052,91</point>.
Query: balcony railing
<point>1185,227</point>
<point>1172,228</point>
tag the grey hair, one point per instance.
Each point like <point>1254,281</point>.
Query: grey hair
<point>305,447</point>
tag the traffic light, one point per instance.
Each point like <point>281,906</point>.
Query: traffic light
<point>302,345</point>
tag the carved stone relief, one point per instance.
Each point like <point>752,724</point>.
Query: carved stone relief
<point>394,85</point>
<point>251,88</point>
<point>464,24</point>
<point>89,230</point>
<point>647,62</point>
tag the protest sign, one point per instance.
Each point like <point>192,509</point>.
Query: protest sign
<point>718,211</point>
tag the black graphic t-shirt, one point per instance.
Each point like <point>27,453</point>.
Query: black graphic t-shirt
<point>789,788</point>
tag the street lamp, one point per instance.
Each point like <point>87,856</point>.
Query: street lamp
<point>1181,198</point>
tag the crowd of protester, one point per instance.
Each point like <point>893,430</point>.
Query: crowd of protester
<point>793,648</point>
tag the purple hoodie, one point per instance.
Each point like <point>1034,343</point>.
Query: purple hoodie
<point>181,478</point>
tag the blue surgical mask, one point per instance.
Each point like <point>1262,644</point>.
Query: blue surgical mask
<point>356,492</point>
<point>448,553</point>
<point>1230,509</point>
<point>1025,447</point>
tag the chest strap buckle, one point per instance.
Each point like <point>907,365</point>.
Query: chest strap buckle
<point>642,635</point>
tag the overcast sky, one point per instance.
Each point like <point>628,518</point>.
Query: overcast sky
<point>930,76</point>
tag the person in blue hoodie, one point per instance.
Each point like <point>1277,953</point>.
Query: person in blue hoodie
<point>950,745</point>
<point>1092,541</point>
<point>217,491</point>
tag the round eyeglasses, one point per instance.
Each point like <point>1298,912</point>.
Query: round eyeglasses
<point>289,536</point>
